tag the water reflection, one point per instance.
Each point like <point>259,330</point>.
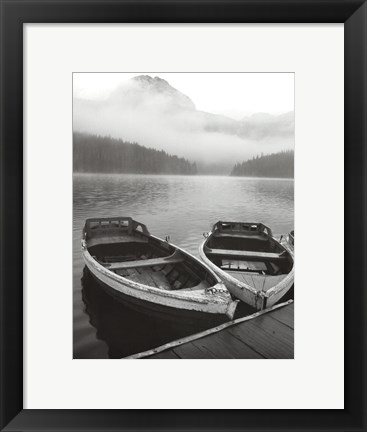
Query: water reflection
<point>127,329</point>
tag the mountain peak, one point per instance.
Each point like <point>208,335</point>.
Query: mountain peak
<point>143,79</point>
<point>149,87</point>
<point>148,79</point>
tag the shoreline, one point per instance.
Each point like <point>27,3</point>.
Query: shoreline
<point>179,175</point>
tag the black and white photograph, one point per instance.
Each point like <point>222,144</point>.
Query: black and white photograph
<point>183,215</point>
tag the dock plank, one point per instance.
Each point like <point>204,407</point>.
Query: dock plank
<point>264,334</point>
<point>223,345</point>
<point>169,354</point>
<point>192,351</point>
<point>285,315</point>
<point>268,337</point>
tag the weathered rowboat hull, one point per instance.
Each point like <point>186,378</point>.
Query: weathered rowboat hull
<point>215,300</point>
<point>255,297</point>
<point>148,294</point>
<point>183,319</point>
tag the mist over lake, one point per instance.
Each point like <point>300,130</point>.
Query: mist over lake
<point>150,111</point>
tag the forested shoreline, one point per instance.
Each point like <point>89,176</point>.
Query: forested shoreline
<point>99,154</point>
<point>273,165</point>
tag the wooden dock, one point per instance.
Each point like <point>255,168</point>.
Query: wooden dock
<point>268,334</point>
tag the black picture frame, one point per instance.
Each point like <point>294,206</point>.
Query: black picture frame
<point>14,13</point>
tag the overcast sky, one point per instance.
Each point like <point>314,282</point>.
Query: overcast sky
<point>232,94</point>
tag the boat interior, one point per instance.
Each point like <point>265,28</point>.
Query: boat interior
<point>248,252</point>
<point>125,247</point>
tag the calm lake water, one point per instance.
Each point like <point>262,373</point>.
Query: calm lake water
<point>182,207</point>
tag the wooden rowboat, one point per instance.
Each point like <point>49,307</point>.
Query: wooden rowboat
<point>121,253</point>
<point>254,266</point>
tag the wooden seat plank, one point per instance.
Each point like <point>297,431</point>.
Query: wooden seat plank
<point>243,236</point>
<point>247,254</point>
<point>271,281</point>
<point>103,237</point>
<point>145,263</point>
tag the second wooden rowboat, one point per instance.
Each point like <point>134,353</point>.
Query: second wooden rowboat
<point>254,266</point>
